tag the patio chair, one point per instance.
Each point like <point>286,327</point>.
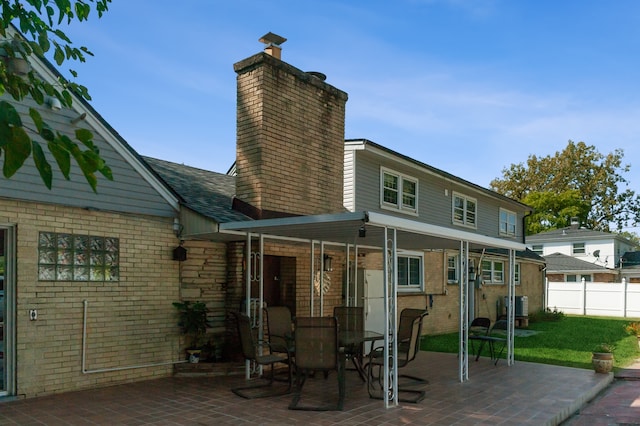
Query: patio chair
<point>496,338</point>
<point>351,319</point>
<point>478,332</point>
<point>409,333</point>
<point>251,350</point>
<point>317,349</point>
<point>280,331</point>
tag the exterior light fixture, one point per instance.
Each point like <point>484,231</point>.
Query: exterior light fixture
<point>327,263</point>
<point>177,227</point>
<point>54,103</point>
<point>362,232</point>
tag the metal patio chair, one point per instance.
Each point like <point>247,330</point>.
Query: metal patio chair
<point>280,331</point>
<point>251,350</point>
<point>478,332</point>
<point>408,335</point>
<point>351,319</point>
<point>317,350</point>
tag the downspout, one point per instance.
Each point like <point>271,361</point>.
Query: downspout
<point>104,370</point>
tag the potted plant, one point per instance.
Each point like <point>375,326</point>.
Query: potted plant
<point>633,329</point>
<point>602,358</point>
<point>193,322</point>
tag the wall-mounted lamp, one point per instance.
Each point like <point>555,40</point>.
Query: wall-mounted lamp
<point>327,263</point>
<point>54,103</point>
<point>180,253</point>
<point>362,232</point>
<point>177,227</point>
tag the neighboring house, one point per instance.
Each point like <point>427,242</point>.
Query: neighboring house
<point>89,278</point>
<point>600,249</point>
<point>564,268</point>
<point>631,266</point>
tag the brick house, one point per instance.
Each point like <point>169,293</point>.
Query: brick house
<point>89,278</point>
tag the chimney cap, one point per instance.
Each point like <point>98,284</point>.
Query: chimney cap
<point>272,39</point>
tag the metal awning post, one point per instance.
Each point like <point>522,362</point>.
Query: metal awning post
<point>463,343</point>
<point>511,311</point>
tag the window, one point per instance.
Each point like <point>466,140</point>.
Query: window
<point>410,271</point>
<point>493,272</point>
<point>68,257</point>
<point>452,269</point>
<point>517,273</point>
<point>399,192</point>
<point>571,278</point>
<point>537,249</point>
<point>507,223</point>
<point>464,210</point>
<point>578,248</point>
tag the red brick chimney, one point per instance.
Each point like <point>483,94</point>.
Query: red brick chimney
<point>290,138</point>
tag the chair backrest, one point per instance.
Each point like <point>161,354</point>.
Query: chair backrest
<point>245,333</point>
<point>480,326</point>
<point>409,332</point>
<point>279,326</point>
<point>350,318</point>
<point>316,342</point>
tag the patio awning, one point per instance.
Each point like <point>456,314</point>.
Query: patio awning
<point>344,228</point>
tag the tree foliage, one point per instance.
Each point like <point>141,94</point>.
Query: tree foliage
<point>575,182</point>
<point>39,22</point>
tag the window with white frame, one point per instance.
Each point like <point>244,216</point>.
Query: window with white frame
<point>493,271</point>
<point>452,269</point>
<point>464,210</point>
<point>410,271</point>
<point>578,248</point>
<point>517,273</point>
<point>507,223</point>
<point>537,249</point>
<point>399,192</point>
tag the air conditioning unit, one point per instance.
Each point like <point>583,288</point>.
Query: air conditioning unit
<point>521,305</point>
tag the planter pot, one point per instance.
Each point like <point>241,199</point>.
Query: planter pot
<point>602,362</point>
<point>194,355</point>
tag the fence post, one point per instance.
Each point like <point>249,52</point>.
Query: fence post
<point>584,296</point>
<point>624,306</point>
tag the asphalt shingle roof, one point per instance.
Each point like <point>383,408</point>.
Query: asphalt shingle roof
<point>558,262</point>
<point>205,192</point>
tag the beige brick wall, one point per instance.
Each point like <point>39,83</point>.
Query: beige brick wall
<point>290,138</point>
<point>130,322</point>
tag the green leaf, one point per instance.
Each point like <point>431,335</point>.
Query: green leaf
<point>58,55</point>
<point>85,136</point>
<point>62,157</point>
<point>43,166</point>
<point>9,115</point>
<point>16,151</point>
<point>37,118</point>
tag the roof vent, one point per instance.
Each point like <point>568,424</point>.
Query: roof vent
<point>272,44</point>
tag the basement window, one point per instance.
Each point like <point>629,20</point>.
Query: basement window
<point>70,257</point>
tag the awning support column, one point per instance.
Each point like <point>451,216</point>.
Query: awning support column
<point>463,344</point>
<point>390,266</point>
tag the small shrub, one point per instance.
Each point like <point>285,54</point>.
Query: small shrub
<point>633,328</point>
<point>604,348</point>
<point>547,315</point>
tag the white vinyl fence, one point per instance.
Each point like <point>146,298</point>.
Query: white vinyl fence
<point>590,298</point>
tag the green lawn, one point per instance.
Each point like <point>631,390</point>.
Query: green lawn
<point>568,341</point>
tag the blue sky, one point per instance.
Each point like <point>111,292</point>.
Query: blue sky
<point>467,86</point>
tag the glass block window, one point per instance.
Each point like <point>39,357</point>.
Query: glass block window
<point>69,257</point>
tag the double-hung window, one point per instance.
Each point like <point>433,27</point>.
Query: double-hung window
<point>578,248</point>
<point>507,223</point>
<point>399,192</point>
<point>410,271</point>
<point>452,269</point>
<point>493,272</point>
<point>537,249</point>
<point>464,210</point>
